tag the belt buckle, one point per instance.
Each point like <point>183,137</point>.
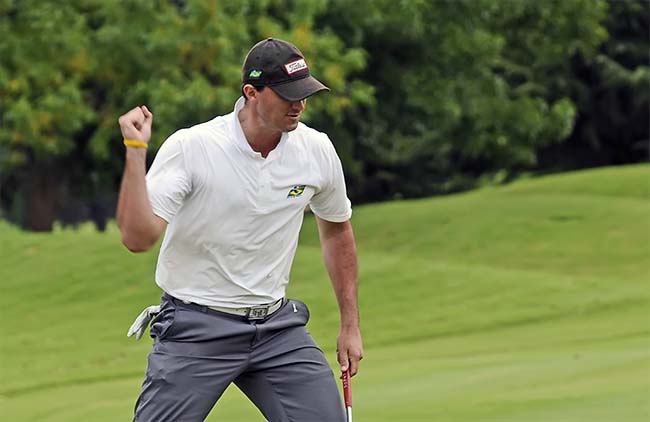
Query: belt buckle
<point>258,312</point>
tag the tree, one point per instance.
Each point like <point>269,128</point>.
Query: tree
<point>427,96</point>
<point>465,89</point>
<point>611,90</point>
<point>45,54</point>
<point>71,69</point>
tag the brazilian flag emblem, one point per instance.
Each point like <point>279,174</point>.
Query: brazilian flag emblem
<point>255,73</point>
<point>296,191</point>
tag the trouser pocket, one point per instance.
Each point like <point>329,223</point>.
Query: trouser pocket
<point>163,322</point>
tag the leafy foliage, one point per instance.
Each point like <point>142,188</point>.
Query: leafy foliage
<point>465,88</point>
<point>427,96</point>
<point>611,91</point>
<point>72,69</point>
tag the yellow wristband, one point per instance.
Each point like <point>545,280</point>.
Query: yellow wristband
<point>136,144</point>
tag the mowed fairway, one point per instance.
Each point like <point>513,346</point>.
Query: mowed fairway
<point>528,302</point>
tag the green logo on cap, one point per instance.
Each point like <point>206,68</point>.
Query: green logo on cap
<point>255,73</point>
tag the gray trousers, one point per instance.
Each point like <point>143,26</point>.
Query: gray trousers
<point>198,352</point>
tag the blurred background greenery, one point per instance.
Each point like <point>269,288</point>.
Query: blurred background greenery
<point>428,97</point>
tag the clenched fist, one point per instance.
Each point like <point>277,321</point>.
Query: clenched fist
<point>136,124</point>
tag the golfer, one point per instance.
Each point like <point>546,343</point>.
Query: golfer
<point>230,195</point>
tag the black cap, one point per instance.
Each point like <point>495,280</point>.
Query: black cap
<point>282,67</point>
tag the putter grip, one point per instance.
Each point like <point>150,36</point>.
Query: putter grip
<point>347,389</point>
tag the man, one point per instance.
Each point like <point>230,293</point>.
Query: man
<point>230,195</point>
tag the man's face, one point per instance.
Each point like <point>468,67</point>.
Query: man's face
<point>276,113</point>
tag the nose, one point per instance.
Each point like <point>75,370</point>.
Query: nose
<point>298,106</point>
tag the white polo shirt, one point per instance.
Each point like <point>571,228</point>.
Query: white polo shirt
<point>234,216</point>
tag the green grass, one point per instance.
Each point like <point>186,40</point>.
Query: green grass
<point>521,303</point>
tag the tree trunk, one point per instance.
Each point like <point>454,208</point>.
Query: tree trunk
<point>40,193</point>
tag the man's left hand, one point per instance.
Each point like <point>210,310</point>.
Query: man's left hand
<point>349,349</point>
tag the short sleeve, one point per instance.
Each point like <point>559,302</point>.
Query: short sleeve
<point>168,179</point>
<point>331,202</point>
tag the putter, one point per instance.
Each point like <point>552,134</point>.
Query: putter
<point>347,394</point>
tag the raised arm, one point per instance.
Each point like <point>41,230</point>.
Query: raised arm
<point>340,255</point>
<point>139,226</point>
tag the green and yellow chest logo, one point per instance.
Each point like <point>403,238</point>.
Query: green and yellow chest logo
<point>296,191</point>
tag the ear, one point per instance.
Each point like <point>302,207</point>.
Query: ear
<point>249,91</point>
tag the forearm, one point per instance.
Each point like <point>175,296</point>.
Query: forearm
<point>340,256</point>
<point>138,224</point>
